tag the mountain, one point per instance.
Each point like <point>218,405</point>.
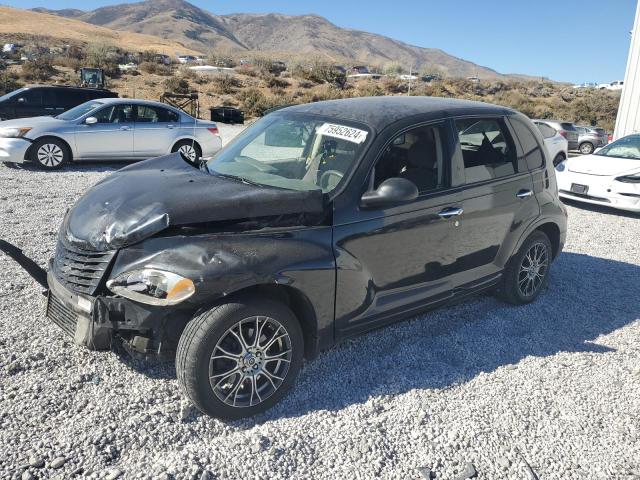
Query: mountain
<point>302,35</point>
<point>25,22</point>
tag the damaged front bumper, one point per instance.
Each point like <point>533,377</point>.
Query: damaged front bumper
<point>96,322</point>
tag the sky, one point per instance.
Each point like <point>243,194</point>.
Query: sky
<point>571,40</point>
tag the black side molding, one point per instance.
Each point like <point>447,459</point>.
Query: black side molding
<point>38,273</point>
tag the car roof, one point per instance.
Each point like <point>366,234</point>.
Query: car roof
<point>67,87</point>
<point>135,102</point>
<point>379,112</point>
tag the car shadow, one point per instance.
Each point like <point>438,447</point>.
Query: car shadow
<point>84,167</point>
<point>599,208</point>
<point>586,297</point>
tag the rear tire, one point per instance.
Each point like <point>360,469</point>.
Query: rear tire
<point>586,148</point>
<point>228,371</point>
<point>50,153</point>
<point>189,150</point>
<point>527,271</point>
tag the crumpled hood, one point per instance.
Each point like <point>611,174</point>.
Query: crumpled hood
<point>141,200</point>
<point>601,165</point>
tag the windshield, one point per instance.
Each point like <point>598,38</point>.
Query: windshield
<point>76,112</point>
<point>293,151</point>
<point>626,147</point>
<point>7,96</point>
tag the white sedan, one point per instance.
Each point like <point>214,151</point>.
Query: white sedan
<point>609,177</point>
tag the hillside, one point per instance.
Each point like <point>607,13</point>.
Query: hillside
<point>271,33</point>
<point>27,22</point>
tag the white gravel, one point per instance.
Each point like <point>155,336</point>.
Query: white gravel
<point>555,385</point>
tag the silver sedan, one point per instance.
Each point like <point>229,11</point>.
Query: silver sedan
<point>107,129</point>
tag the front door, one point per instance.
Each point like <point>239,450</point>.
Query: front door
<point>29,104</point>
<point>499,199</point>
<point>395,260</point>
<point>109,139</point>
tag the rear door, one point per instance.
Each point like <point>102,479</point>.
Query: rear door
<point>498,197</point>
<point>109,139</point>
<point>156,130</point>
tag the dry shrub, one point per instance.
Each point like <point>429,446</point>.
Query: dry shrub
<point>40,68</point>
<point>177,84</point>
<point>226,84</point>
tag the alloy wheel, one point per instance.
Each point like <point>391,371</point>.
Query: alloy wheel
<point>189,152</point>
<point>250,361</point>
<point>50,155</point>
<point>533,269</point>
<point>586,148</point>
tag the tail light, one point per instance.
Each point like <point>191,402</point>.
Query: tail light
<point>214,130</point>
<point>564,133</point>
<point>610,137</point>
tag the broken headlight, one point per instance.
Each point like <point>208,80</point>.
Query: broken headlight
<point>153,287</point>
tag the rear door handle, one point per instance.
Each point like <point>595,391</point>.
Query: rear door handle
<point>450,212</point>
<point>125,128</point>
<point>524,193</point>
<point>171,126</point>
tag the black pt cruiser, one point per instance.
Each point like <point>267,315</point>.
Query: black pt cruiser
<point>317,223</point>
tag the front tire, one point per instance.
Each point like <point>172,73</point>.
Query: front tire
<point>240,358</point>
<point>586,148</point>
<point>50,153</point>
<point>189,150</point>
<point>527,271</point>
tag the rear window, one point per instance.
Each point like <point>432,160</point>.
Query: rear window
<point>568,126</point>
<point>546,130</point>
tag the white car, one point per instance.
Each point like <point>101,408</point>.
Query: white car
<point>609,177</point>
<point>556,144</point>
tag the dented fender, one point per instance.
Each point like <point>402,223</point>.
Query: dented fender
<point>223,264</point>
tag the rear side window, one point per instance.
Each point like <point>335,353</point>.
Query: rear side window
<point>70,98</point>
<point>568,126</point>
<point>487,149</point>
<point>546,130</point>
<point>149,114</point>
<point>531,149</point>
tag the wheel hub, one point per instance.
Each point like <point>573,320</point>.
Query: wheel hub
<point>252,362</point>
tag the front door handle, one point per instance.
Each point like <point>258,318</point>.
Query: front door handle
<point>171,126</point>
<point>524,193</point>
<point>450,212</point>
<point>125,128</point>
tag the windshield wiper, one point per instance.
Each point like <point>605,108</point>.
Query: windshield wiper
<point>237,178</point>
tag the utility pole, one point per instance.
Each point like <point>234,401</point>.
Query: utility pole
<point>410,76</point>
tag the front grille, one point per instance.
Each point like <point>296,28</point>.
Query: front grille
<point>62,315</point>
<point>80,270</point>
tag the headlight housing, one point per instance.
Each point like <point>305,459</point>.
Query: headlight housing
<point>14,132</point>
<point>561,166</point>
<point>635,178</point>
<point>153,287</point>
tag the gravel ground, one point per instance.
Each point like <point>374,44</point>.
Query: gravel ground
<point>554,385</point>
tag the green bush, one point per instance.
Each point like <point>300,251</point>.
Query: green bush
<point>177,84</point>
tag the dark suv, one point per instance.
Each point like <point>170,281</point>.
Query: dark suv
<point>317,223</point>
<point>46,100</point>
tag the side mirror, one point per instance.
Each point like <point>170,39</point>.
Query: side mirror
<point>91,120</point>
<point>390,192</point>
<point>21,100</point>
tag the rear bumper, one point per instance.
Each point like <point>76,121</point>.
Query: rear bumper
<point>13,149</point>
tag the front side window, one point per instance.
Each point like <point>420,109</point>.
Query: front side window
<point>293,151</point>
<point>626,147</point>
<point>487,149</point>
<point>416,155</point>
<point>31,97</point>
<point>115,114</point>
